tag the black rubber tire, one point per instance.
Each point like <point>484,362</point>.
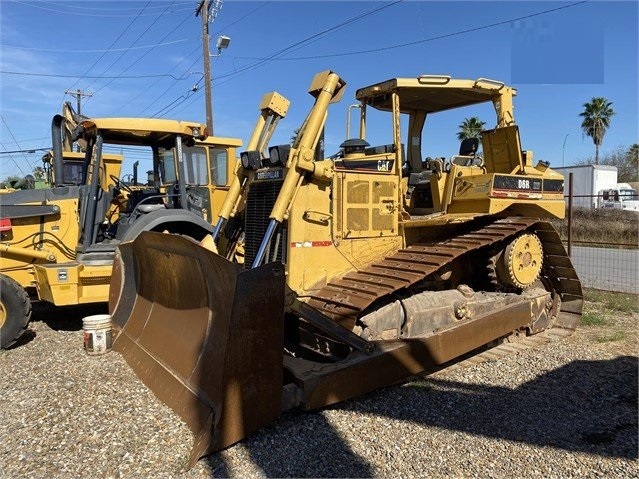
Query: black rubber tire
<point>16,307</point>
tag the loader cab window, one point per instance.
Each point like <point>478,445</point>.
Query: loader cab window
<point>167,166</point>
<point>73,172</point>
<point>195,163</point>
<point>219,162</point>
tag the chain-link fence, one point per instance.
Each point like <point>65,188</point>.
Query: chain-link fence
<point>602,243</point>
<point>606,268</point>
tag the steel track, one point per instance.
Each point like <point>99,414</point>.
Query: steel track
<point>344,299</point>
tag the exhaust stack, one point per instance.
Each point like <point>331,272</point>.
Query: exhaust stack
<point>56,142</point>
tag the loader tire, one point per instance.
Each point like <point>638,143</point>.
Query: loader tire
<point>15,311</point>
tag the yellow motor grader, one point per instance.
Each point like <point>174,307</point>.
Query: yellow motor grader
<point>360,270</point>
<point>57,244</point>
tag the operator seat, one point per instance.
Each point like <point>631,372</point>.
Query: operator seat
<point>467,152</point>
<point>469,147</point>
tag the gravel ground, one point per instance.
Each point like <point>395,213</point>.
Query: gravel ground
<point>566,409</point>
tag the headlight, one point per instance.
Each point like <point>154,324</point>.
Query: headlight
<point>278,155</point>
<point>251,160</point>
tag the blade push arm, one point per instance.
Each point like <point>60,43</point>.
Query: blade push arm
<point>272,109</point>
<point>327,87</point>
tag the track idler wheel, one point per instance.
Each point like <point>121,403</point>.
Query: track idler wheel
<point>519,264</point>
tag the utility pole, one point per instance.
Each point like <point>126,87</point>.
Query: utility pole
<point>78,94</point>
<point>208,10</point>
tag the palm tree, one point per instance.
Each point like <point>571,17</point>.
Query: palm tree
<point>470,128</point>
<point>596,120</point>
<point>39,173</point>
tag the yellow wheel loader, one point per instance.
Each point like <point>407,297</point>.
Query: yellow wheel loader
<point>57,244</point>
<point>360,269</point>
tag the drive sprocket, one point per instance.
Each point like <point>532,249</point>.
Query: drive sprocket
<point>519,264</point>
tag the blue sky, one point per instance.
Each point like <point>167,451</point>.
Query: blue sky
<point>142,58</point>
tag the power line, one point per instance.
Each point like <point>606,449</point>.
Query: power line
<point>66,12</point>
<point>128,77</point>
<point>191,96</point>
<point>14,160</point>
<point>376,50</point>
<point>308,39</point>
<point>28,151</point>
<point>134,42</point>
<point>294,45</point>
<point>15,141</point>
<point>86,7</point>
<point>186,75</point>
<point>135,62</point>
<point>113,43</point>
<point>226,27</point>
<point>184,103</point>
<point>35,139</point>
<point>171,106</point>
<point>104,53</point>
<point>272,57</point>
<point>193,88</point>
<point>416,42</point>
<point>108,50</point>
<point>175,78</point>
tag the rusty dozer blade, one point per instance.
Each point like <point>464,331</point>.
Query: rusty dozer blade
<point>203,334</point>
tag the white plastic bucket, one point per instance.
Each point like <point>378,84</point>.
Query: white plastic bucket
<point>97,333</point>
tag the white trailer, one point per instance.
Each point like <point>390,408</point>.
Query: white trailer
<point>588,181</point>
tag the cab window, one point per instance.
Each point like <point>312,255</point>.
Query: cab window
<point>167,167</point>
<point>73,172</point>
<point>195,163</point>
<point>219,161</point>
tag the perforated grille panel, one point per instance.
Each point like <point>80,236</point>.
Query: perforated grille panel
<point>259,204</point>
<point>369,207</point>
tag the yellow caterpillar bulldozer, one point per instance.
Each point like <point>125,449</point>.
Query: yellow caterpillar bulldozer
<point>57,244</point>
<point>360,270</point>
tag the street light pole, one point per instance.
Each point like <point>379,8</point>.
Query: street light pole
<point>563,149</point>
